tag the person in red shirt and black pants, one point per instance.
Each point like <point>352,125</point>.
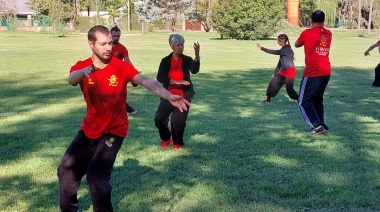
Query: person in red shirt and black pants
<point>174,74</point>
<point>102,79</point>
<point>316,75</point>
<point>121,52</point>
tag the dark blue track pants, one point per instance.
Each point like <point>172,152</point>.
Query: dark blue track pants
<point>310,100</point>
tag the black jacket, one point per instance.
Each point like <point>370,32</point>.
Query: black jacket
<point>188,65</point>
<point>286,57</point>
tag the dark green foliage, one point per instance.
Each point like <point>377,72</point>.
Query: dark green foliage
<point>248,20</point>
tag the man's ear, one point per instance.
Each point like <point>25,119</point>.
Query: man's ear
<point>91,44</point>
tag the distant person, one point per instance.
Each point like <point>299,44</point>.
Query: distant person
<point>285,71</point>
<point>376,81</point>
<point>316,75</point>
<point>174,74</point>
<point>121,52</point>
<point>102,79</point>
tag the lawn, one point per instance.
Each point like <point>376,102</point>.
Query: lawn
<point>240,154</point>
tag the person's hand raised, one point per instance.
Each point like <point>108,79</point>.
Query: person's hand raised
<point>197,47</point>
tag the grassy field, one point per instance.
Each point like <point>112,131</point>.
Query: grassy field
<point>240,154</point>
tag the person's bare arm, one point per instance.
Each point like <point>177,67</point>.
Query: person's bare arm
<point>76,77</point>
<point>157,89</point>
<point>366,53</point>
<point>296,44</point>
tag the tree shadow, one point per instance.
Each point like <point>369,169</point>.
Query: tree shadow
<point>264,166</point>
<point>239,153</point>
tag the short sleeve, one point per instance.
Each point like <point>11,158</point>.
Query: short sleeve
<point>301,39</point>
<point>80,65</point>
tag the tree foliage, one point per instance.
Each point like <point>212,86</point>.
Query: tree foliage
<point>342,13</point>
<point>248,20</point>
<point>168,10</point>
<point>58,11</point>
<point>202,13</point>
<point>7,7</point>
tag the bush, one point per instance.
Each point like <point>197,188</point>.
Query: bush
<point>84,23</point>
<point>247,20</point>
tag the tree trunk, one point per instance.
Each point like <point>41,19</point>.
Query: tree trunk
<point>370,17</point>
<point>360,14</point>
<point>76,12</point>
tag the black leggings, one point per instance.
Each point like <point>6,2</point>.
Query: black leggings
<point>276,84</point>
<point>93,158</point>
<point>177,121</point>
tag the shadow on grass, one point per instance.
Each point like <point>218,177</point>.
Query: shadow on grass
<point>240,154</point>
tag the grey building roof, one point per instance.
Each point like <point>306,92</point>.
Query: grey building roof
<point>22,8</point>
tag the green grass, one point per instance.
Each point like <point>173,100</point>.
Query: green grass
<point>240,154</point>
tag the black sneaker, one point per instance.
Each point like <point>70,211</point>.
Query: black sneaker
<point>317,130</point>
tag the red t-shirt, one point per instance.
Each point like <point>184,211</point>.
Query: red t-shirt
<point>176,73</point>
<point>105,94</point>
<point>316,41</point>
<point>119,51</point>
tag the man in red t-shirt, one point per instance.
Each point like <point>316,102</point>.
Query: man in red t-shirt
<point>119,51</point>
<point>316,75</point>
<point>376,81</point>
<point>102,79</point>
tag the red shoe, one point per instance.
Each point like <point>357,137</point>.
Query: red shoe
<point>165,144</point>
<point>176,147</point>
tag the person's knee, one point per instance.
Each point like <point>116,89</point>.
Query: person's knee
<point>99,182</point>
<point>64,167</point>
<point>160,120</point>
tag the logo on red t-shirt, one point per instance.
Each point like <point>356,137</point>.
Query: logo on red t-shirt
<point>322,48</point>
<point>113,80</point>
<point>323,41</point>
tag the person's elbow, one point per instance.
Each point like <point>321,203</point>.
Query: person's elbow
<point>72,81</point>
<point>297,45</point>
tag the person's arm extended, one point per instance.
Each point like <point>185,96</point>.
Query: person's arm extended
<point>157,89</point>
<point>370,48</point>
<point>296,44</point>
<point>275,52</point>
<point>77,76</point>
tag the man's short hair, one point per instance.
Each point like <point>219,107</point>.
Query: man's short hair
<point>318,16</point>
<point>91,33</point>
<point>115,29</point>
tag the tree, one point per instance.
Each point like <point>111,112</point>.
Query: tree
<point>370,17</point>
<point>75,13</point>
<point>8,11</point>
<point>58,11</point>
<point>7,7</point>
<point>360,14</point>
<point>147,11</point>
<point>248,20</point>
<point>175,9</point>
<point>306,8</point>
<point>112,7</point>
<point>168,10</point>
<point>202,13</point>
